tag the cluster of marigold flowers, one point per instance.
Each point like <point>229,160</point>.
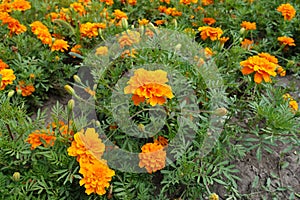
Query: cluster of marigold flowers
<point>88,149</point>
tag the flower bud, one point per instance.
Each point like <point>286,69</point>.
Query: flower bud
<point>19,91</point>
<point>124,23</point>
<point>220,111</point>
<point>77,79</point>
<point>70,90</point>
<point>141,127</point>
<point>213,196</point>
<point>242,31</point>
<point>16,176</point>
<point>10,93</point>
<point>71,104</point>
<point>177,47</point>
<point>175,23</point>
<point>97,123</point>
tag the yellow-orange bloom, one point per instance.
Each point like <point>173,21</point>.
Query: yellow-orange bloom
<point>91,29</point>
<point>102,50</point>
<point>153,157</point>
<point>3,65</point>
<point>247,44</point>
<point>261,66</point>
<point>188,2</point>
<point>119,14</point>
<point>287,11</point>
<point>209,20</point>
<point>96,177</point>
<point>79,8</point>
<point>75,49</point>
<point>7,78</point>
<point>292,103</point>
<point>269,57</point>
<point>5,7</point>
<point>150,86</point>
<point>212,33</point>
<point>27,90</point>
<point>143,22</point>
<point>59,45</point>
<point>248,25</point>
<point>207,2</point>
<point>35,139</point>
<point>42,32</point>
<point>280,71</point>
<point>128,38</point>
<point>108,2</point>
<point>87,147</point>
<point>286,41</point>
<point>20,5</point>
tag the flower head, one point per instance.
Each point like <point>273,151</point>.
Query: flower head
<point>3,65</point>
<point>102,50</point>
<point>212,33</point>
<point>287,11</point>
<point>59,45</point>
<point>247,44</point>
<point>150,86</point>
<point>153,157</point>
<point>38,138</point>
<point>286,41</point>
<point>248,25</point>
<point>209,21</point>
<point>90,29</point>
<point>27,90</point>
<point>20,5</point>
<point>7,77</point>
<point>128,38</point>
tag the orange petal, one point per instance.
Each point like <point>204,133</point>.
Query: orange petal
<point>247,70</point>
<point>258,78</point>
<point>137,100</point>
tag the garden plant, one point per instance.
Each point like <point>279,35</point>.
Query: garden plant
<point>149,99</point>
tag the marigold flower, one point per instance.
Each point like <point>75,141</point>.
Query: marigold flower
<point>207,2</point>
<point>79,8</point>
<point>287,11</point>
<point>59,45</point>
<point>27,90</point>
<point>20,5</point>
<point>280,71</point>
<point>248,25</point>
<point>209,20</point>
<point>212,33</point>
<point>3,65</point>
<point>5,7</point>
<point>188,2</point>
<point>90,29</point>
<point>143,22</point>
<point>75,49</point>
<point>153,157</point>
<point>42,32</point>
<point>7,77</point>
<point>119,14</point>
<point>247,44</point>
<point>128,38</point>
<point>129,53</point>
<point>262,67</point>
<point>150,86</point>
<point>269,57</point>
<point>37,138</point>
<point>286,41</point>
<point>96,177</point>
<point>87,147</point>
<point>102,50</point>
<point>162,141</point>
<point>223,40</point>
<point>108,2</point>
<point>213,196</point>
<point>159,22</point>
<point>292,103</point>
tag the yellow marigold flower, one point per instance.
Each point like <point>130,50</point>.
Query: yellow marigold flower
<point>208,52</point>
<point>262,67</point>
<point>209,20</point>
<point>143,22</point>
<point>85,2</point>
<point>248,25</point>
<point>20,5</point>
<point>86,146</point>
<point>132,2</point>
<point>102,50</point>
<point>128,38</point>
<point>27,90</point>
<point>223,40</point>
<point>280,71</point>
<point>247,44</point>
<point>150,86</point>
<point>96,177</point>
<point>207,2</point>
<point>153,157</point>
<point>287,11</point>
<point>119,14</point>
<point>3,65</point>
<point>79,8</point>
<point>294,105</point>
<point>35,138</point>
<point>7,78</point>
<point>188,2</point>
<point>213,196</point>
<point>212,33</point>
<point>286,41</point>
<point>108,2</point>
<point>42,32</point>
<point>59,45</point>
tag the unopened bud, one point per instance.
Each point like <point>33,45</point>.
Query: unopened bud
<point>10,93</point>
<point>19,91</point>
<point>175,23</point>
<point>242,31</point>
<point>16,176</point>
<point>71,104</point>
<point>124,23</point>
<point>290,64</point>
<point>97,123</point>
<point>220,111</point>
<point>177,47</point>
<point>141,127</point>
<point>70,90</point>
<point>77,79</point>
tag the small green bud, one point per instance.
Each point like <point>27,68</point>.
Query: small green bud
<point>242,31</point>
<point>124,23</point>
<point>71,104</point>
<point>220,111</point>
<point>16,176</point>
<point>70,90</point>
<point>11,93</point>
<point>77,79</point>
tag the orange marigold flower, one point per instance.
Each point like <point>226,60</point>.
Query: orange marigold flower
<point>96,177</point>
<point>269,57</point>
<point>5,7</point>
<point>79,8</point>
<point>85,2</point>
<point>119,14</point>
<point>3,65</point>
<point>208,52</point>
<point>42,32</point>
<point>6,77</point>
<point>247,44</point>
<point>102,50</point>
<point>212,33</point>
<point>13,25</point>
<point>132,2</point>
<point>162,141</point>
<point>294,105</point>
<point>188,2</point>
<point>207,2</point>
<point>149,85</point>
<point>87,147</point>
<point>287,11</point>
<point>128,38</point>
<point>223,40</point>
<point>209,20</point>
<point>76,48</point>
<point>153,157</point>
<point>20,5</point>
<point>108,2</point>
<point>129,53</point>
<point>27,90</point>
<point>59,45</point>
<point>37,138</point>
<point>159,22</point>
<point>286,41</point>
<point>280,71</point>
<point>261,66</point>
<point>248,25</point>
<point>91,29</point>
<point>143,22</point>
